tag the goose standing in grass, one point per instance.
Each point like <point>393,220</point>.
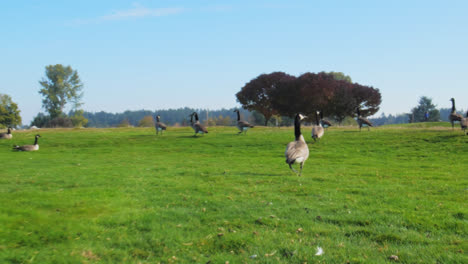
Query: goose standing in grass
<point>29,147</point>
<point>197,127</point>
<point>317,129</point>
<point>454,117</point>
<point>160,126</point>
<point>297,150</point>
<point>325,123</point>
<point>243,126</point>
<point>464,123</point>
<point>6,135</point>
<point>362,121</point>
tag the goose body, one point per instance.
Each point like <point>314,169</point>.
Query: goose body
<point>197,127</point>
<point>317,129</point>
<point>159,125</point>
<point>454,117</point>
<point>29,147</point>
<point>243,126</point>
<point>362,121</point>
<point>464,123</point>
<point>6,135</point>
<point>297,151</point>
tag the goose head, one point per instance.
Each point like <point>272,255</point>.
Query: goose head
<point>301,117</point>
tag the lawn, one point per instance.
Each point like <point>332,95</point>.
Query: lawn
<point>125,195</point>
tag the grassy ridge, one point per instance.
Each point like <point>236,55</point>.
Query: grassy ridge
<point>125,195</point>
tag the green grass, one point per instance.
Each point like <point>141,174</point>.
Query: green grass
<point>127,196</point>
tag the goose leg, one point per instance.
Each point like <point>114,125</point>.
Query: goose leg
<point>292,168</point>
<point>300,173</point>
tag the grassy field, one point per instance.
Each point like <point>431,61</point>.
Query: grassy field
<point>126,196</point>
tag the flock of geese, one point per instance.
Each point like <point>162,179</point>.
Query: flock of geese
<point>296,152</point>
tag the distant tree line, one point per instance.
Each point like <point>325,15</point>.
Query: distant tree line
<point>269,99</point>
<point>281,94</point>
<point>171,117</point>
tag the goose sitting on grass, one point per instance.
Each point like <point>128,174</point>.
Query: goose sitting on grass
<point>29,147</point>
<point>6,135</point>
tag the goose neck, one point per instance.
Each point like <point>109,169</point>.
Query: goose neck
<point>297,127</point>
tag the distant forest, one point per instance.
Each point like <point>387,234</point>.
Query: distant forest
<point>226,117</point>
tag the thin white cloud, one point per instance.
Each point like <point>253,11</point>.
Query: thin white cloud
<point>137,11</point>
<point>140,11</point>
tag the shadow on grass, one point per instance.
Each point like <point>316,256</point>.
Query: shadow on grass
<point>191,136</point>
<point>285,173</point>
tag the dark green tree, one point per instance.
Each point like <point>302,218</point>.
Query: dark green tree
<point>61,85</point>
<point>9,112</point>
<point>425,105</point>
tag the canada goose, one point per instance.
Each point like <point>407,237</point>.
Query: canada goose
<point>317,129</point>
<point>464,123</point>
<point>362,121</point>
<point>325,123</point>
<point>199,128</point>
<point>6,135</point>
<point>454,117</point>
<point>159,125</point>
<point>297,150</point>
<point>243,126</point>
<point>29,147</point>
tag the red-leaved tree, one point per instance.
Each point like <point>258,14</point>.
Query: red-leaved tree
<point>256,94</point>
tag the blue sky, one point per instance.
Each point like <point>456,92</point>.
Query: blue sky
<point>151,55</point>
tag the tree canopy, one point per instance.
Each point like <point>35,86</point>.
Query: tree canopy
<point>256,94</point>
<point>333,92</point>
<point>61,85</point>
<point>9,112</point>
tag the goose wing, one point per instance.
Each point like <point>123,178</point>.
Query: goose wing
<point>200,127</point>
<point>365,121</point>
<point>26,147</point>
<point>5,135</point>
<point>243,124</point>
<point>455,117</point>
<point>162,125</point>
<point>326,122</point>
<point>296,150</point>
